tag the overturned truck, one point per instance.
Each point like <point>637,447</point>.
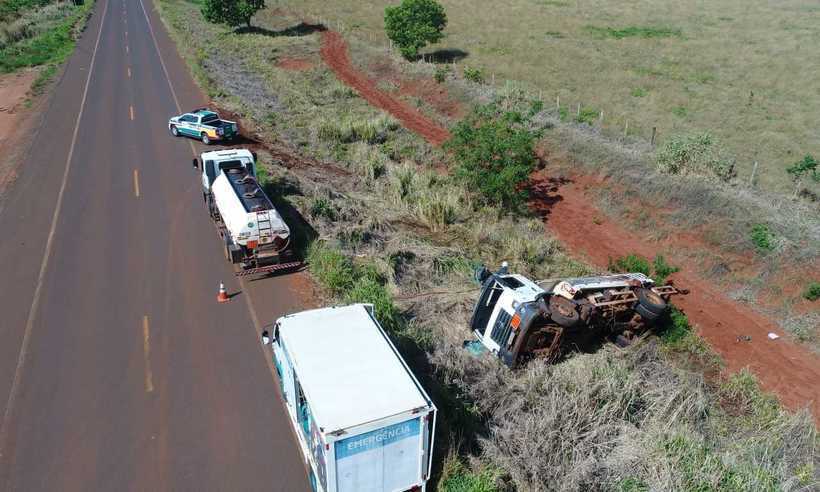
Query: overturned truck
<point>518,319</point>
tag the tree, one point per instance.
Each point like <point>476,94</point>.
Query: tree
<point>802,168</point>
<point>414,24</point>
<point>495,155</point>
<point>231,12</point>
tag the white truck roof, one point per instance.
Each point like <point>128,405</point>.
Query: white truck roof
<point>221,155</point>
<point>348,369</point>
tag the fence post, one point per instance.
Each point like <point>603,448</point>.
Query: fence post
<point>558,102</point>
<point>654,133</point>
<point>626,129</point>
<point>601,119</point>
<point>578,112</point>
<point>752,179</point>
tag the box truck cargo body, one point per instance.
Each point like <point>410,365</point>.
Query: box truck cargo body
<point>362,419</point>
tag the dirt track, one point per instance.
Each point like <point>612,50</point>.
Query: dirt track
<point>334,53</point>
<point>789,370</point>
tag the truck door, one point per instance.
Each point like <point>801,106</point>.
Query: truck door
<point>497,330</point>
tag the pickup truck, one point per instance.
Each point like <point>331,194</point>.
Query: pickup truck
<point>203,125</point>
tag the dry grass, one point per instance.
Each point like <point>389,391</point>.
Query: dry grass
<point>750,83</point>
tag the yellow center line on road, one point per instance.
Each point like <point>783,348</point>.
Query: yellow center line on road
<point>146,348</point>
<point>131,112</point>
<point>137,183</point>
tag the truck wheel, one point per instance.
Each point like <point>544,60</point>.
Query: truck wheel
<point>563,312</point>
<point>651,301</point>
<point>174,131</point>
<point>646,314</point>
<point>205,139</point>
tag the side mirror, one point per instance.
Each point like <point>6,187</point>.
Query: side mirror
<point>255,157</point>
<point>266,338</point>
<point>196,163</point>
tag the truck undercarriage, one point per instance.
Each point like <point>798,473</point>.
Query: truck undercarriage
<point>519,320</point>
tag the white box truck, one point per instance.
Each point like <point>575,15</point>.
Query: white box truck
<point>363,421</point>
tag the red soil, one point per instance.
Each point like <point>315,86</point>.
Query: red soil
<point>789,370</point>
<point>295,64</point>
<point>334,53</point>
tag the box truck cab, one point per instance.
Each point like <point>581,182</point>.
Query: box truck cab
<point>363,421</point>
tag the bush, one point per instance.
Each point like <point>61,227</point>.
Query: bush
<point>812,292</point>
<point>662,269</point>
<point>370,290</point>
<point>442,71</point>
<point>333,269</point>
<point>632,264</point>
<point>413,24</point>
<point>455,477</point>
<point>321,207</point>
<point>694,154</point>
<point>762,237</point>
<point>233,13</point>
<point>494,156</point>
<point>474,75</point>
<point>587,115</point>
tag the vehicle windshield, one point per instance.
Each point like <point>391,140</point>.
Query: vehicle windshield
<point>211,118</point>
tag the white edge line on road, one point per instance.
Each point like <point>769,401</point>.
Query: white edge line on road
<point>146,350</point>
<point>137,183</point>
<point>35,303</point>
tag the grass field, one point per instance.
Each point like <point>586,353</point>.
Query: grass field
<point>393,230</point>
<point>39,32</point>
<point>740,69</point>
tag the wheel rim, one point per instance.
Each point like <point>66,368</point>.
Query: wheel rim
<point>653,297</point>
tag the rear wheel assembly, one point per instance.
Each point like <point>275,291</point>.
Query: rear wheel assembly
<point>563,312</point>
<point>651,301</point>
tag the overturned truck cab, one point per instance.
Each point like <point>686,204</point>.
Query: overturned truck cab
<point>518,320</point>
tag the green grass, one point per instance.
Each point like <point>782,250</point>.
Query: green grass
<point>633,32</point>
<point>762,237</point>
<point>458,478</point>
<point>51,44</point>
<point>750,53</point>
<point>812,292</point>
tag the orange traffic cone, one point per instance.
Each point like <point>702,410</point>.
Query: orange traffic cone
<point>222,296</point>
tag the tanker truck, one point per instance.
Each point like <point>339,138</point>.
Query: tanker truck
<point>254,236</point>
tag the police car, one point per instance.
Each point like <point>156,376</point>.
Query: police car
<point>203,125</point>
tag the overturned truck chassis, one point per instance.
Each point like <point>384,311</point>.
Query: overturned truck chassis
<point>518,320</point>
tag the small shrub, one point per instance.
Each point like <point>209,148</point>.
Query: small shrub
<point>369,290</point>
<point>413,24</point>
<point>437,210</point>
<point>587,115</point>
<point>333,269</point>
<point>474,75</point>
<point>442,71</point>
<point>662,269</point>
<point>494,157</point>
<point>639,92</point>
<point>679,111</point>
<point>812,292</point>
<point>632,264</point>
<point>455,477</point>
<point>536,106</point>
<point>802,168</point>
<point>321,207</point>
<point>694,154</point>
<point>762,237</point>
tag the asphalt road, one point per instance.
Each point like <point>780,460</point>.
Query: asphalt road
<point>118,369</point>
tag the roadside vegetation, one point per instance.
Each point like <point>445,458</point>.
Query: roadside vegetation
<point>39,33</point>
<point>393,229</point>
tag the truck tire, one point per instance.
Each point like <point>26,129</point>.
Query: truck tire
<point>563,312</point>
<point>227,243</point>
<point>651,301</point>
<point>205,139</point>
<point>174,131</point>
<point>646,314</point>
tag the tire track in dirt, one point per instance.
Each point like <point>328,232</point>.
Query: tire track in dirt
<point>334,53</point>
<point>782,367</point>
